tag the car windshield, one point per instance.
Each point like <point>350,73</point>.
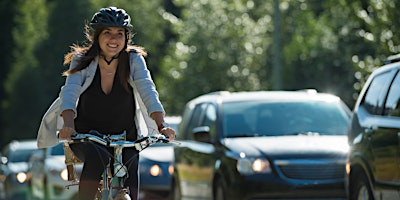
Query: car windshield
<point>19,155</point>
<point>260,118</point>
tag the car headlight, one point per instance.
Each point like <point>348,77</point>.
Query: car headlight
<point>253,165</point>
<point>155,170</point>
<point>171,169</point>
<point>22,177</point>
<point>64,174</point>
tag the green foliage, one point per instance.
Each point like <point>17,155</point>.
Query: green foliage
<point>331,46</point>
<point>21,85</point>
<point>197,47</point>
<point>7,10</point>
<point>376,30</point>
<point>220,46</point>
<point>314,57</point>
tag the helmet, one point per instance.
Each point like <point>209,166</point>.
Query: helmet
<point>111,16</point>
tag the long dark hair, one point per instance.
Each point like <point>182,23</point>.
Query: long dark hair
<point>92,49</point>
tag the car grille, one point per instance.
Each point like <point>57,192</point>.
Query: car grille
<point>312,170</point>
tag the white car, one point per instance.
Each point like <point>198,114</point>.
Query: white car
<point>49,176</point>
<point>13,169</point>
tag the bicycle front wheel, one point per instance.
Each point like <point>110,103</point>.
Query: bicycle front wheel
<point>123,195</point>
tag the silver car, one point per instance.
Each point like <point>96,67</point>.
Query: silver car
<point>14,167</point>
<point>49,176</point>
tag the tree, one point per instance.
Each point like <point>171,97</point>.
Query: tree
<point>330,46</point>
<point>7,9</point>
<point>220,46</point>
<point>313,51</point>
<point>22,82</point>
<point>196,47</point>
<point>373,35</point>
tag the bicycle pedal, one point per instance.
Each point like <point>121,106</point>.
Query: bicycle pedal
<point>72,184</point>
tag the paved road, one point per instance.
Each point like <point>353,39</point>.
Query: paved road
<point>151,196</point>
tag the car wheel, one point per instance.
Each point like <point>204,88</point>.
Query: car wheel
<point>175,191</point>
<point>30,192</point>
<point>46,189</point>
<point>361,189</point>
<point>219,193</point>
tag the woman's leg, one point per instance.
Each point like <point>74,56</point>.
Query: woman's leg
<point>131,160</point>
<point>95,158</point>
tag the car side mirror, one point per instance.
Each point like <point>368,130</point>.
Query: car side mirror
<point>202,134</point>
<point>4,160</point>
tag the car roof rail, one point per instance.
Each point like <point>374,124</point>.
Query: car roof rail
<point>220,93</point>
<point>392,59</point>
<point>309,91</point>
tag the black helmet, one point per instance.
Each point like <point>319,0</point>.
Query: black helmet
<point>111,16</point>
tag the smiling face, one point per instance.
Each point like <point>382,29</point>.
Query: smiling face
<point>112,41</point>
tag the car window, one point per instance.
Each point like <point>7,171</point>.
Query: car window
<point>375,95</point>
<point>210,117</point>
<point>195,119</point>
<point>19,155</point>
<point>57,150</point>
<point>284,118</point>
<point>392,106</point>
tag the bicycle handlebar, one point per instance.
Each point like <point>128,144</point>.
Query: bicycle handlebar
<point>118,140</point>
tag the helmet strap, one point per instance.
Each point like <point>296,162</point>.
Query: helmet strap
<point>112,58</point>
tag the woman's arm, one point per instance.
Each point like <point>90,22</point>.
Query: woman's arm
<point>148,93</point>
<point>144,84</point>
<point>69,95</point>
<point>69,125</point>
<point>71,90</point>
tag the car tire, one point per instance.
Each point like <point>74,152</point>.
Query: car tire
<point>175,191</point>
<point>46,189</point>
<point>360,189</point>
<point>30,192</point>
<point>219,192</point>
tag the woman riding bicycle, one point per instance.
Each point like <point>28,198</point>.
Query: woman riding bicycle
<point>116,93</point>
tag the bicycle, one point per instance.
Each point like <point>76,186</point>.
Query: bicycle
<point>111,187</point>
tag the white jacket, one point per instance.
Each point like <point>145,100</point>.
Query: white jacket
<point>146,99</point>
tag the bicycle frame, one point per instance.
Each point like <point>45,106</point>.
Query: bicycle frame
<point>111,186</point>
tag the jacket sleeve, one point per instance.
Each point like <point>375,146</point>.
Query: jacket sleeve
<point>144,83</point>
<point>71,90</point>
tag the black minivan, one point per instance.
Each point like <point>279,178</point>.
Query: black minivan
<point>262,145</point>
<point>373,167</point>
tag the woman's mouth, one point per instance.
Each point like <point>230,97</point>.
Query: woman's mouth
<point>112,45</point>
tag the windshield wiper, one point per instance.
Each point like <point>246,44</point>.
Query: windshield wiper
<point>244,135</point>
<point>308,133</point>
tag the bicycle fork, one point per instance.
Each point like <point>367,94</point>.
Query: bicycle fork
<point>120,175</point>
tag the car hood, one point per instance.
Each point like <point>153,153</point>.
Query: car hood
<point>56,162</point>
<point>290,146</point>
<point>158,153</point>
<point>16,167</point>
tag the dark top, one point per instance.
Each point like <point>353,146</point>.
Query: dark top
<point>106,113</point>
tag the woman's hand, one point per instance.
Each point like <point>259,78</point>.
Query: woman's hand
<point>168,132</point>
<point>66,133</point>
<point>68,129</point>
